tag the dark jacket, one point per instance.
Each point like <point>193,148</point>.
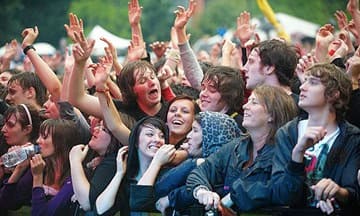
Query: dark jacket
<point>223,173</point>
<point>342,165</point>
<point>172,184</point>
<point>141,197</point>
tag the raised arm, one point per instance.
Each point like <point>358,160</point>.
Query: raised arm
<point>323,39</point>
<point>68,68</point>
<point>75,26</point>
<point>352,69</point>
<point>86,103</point>
<point>136,50</point>
<point>10,52</point>
<point>228,47</point>
<point>191,66</point>
<point>44,72</point>
<point>113,88</point>
<point>353,8</point>
<point>111,117</point>
<point>344,31</point>
<point>159,48</point>
<point>245,30</point>
<point>117,66</point>
<point>134,13</point>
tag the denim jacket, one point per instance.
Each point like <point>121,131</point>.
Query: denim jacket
<point>223,173</point>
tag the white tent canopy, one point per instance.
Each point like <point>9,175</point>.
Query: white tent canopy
<point>42,48</point>
<point>293,26</point>
<point>97,32</point>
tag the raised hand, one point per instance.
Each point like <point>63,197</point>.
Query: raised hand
<point>110,47</point>
<point>121,160</point>
<point>165,73</point>
<point>323,38</point>
<point>228,46</point>
<point>136,50</point>
<point>29,35</point>
<point>341,19</point>
<point>353,69</point>
<point>304,63</point>
<point>337,49</point>
<point>183,16</point>
<point>353,6</point>
<point>82,50</point>
<point>228,50</point>
<point>134,12</point>
<point>102,70</point>
<point>244,30</point>
<point>77,153</point>
<point>10,50</point>
<point>159,48</point>
<point>351,27</point>
<point>117,66</point>
<point>75,26</point>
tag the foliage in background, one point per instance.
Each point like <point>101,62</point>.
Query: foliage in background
<point>49,16</point>
<point>224,13</point>
<point>157,18</point>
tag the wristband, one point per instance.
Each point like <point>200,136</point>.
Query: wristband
<point>102,90</point>
<point>26,49</point>
<point>332,52</point>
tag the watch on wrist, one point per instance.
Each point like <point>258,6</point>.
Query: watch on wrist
<point>26,49</point>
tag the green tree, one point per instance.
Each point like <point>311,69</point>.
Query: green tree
<point>19,14</point>
<point>112,15</point>
<point>223,13</point>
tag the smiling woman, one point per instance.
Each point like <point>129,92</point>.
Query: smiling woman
<point>147,152</point>
<point>89,182</point>
<point>180,115</point>
<point>210,131</point>
<point>239,171</point>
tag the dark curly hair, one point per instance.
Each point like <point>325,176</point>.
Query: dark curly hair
<point>229,83</point>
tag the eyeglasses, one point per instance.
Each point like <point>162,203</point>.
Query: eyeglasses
<point>100,128</point>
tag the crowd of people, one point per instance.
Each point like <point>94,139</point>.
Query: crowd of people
<point>251,126</point>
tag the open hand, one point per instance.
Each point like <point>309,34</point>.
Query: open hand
<point>75,26</point>
<point>183,16</point>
